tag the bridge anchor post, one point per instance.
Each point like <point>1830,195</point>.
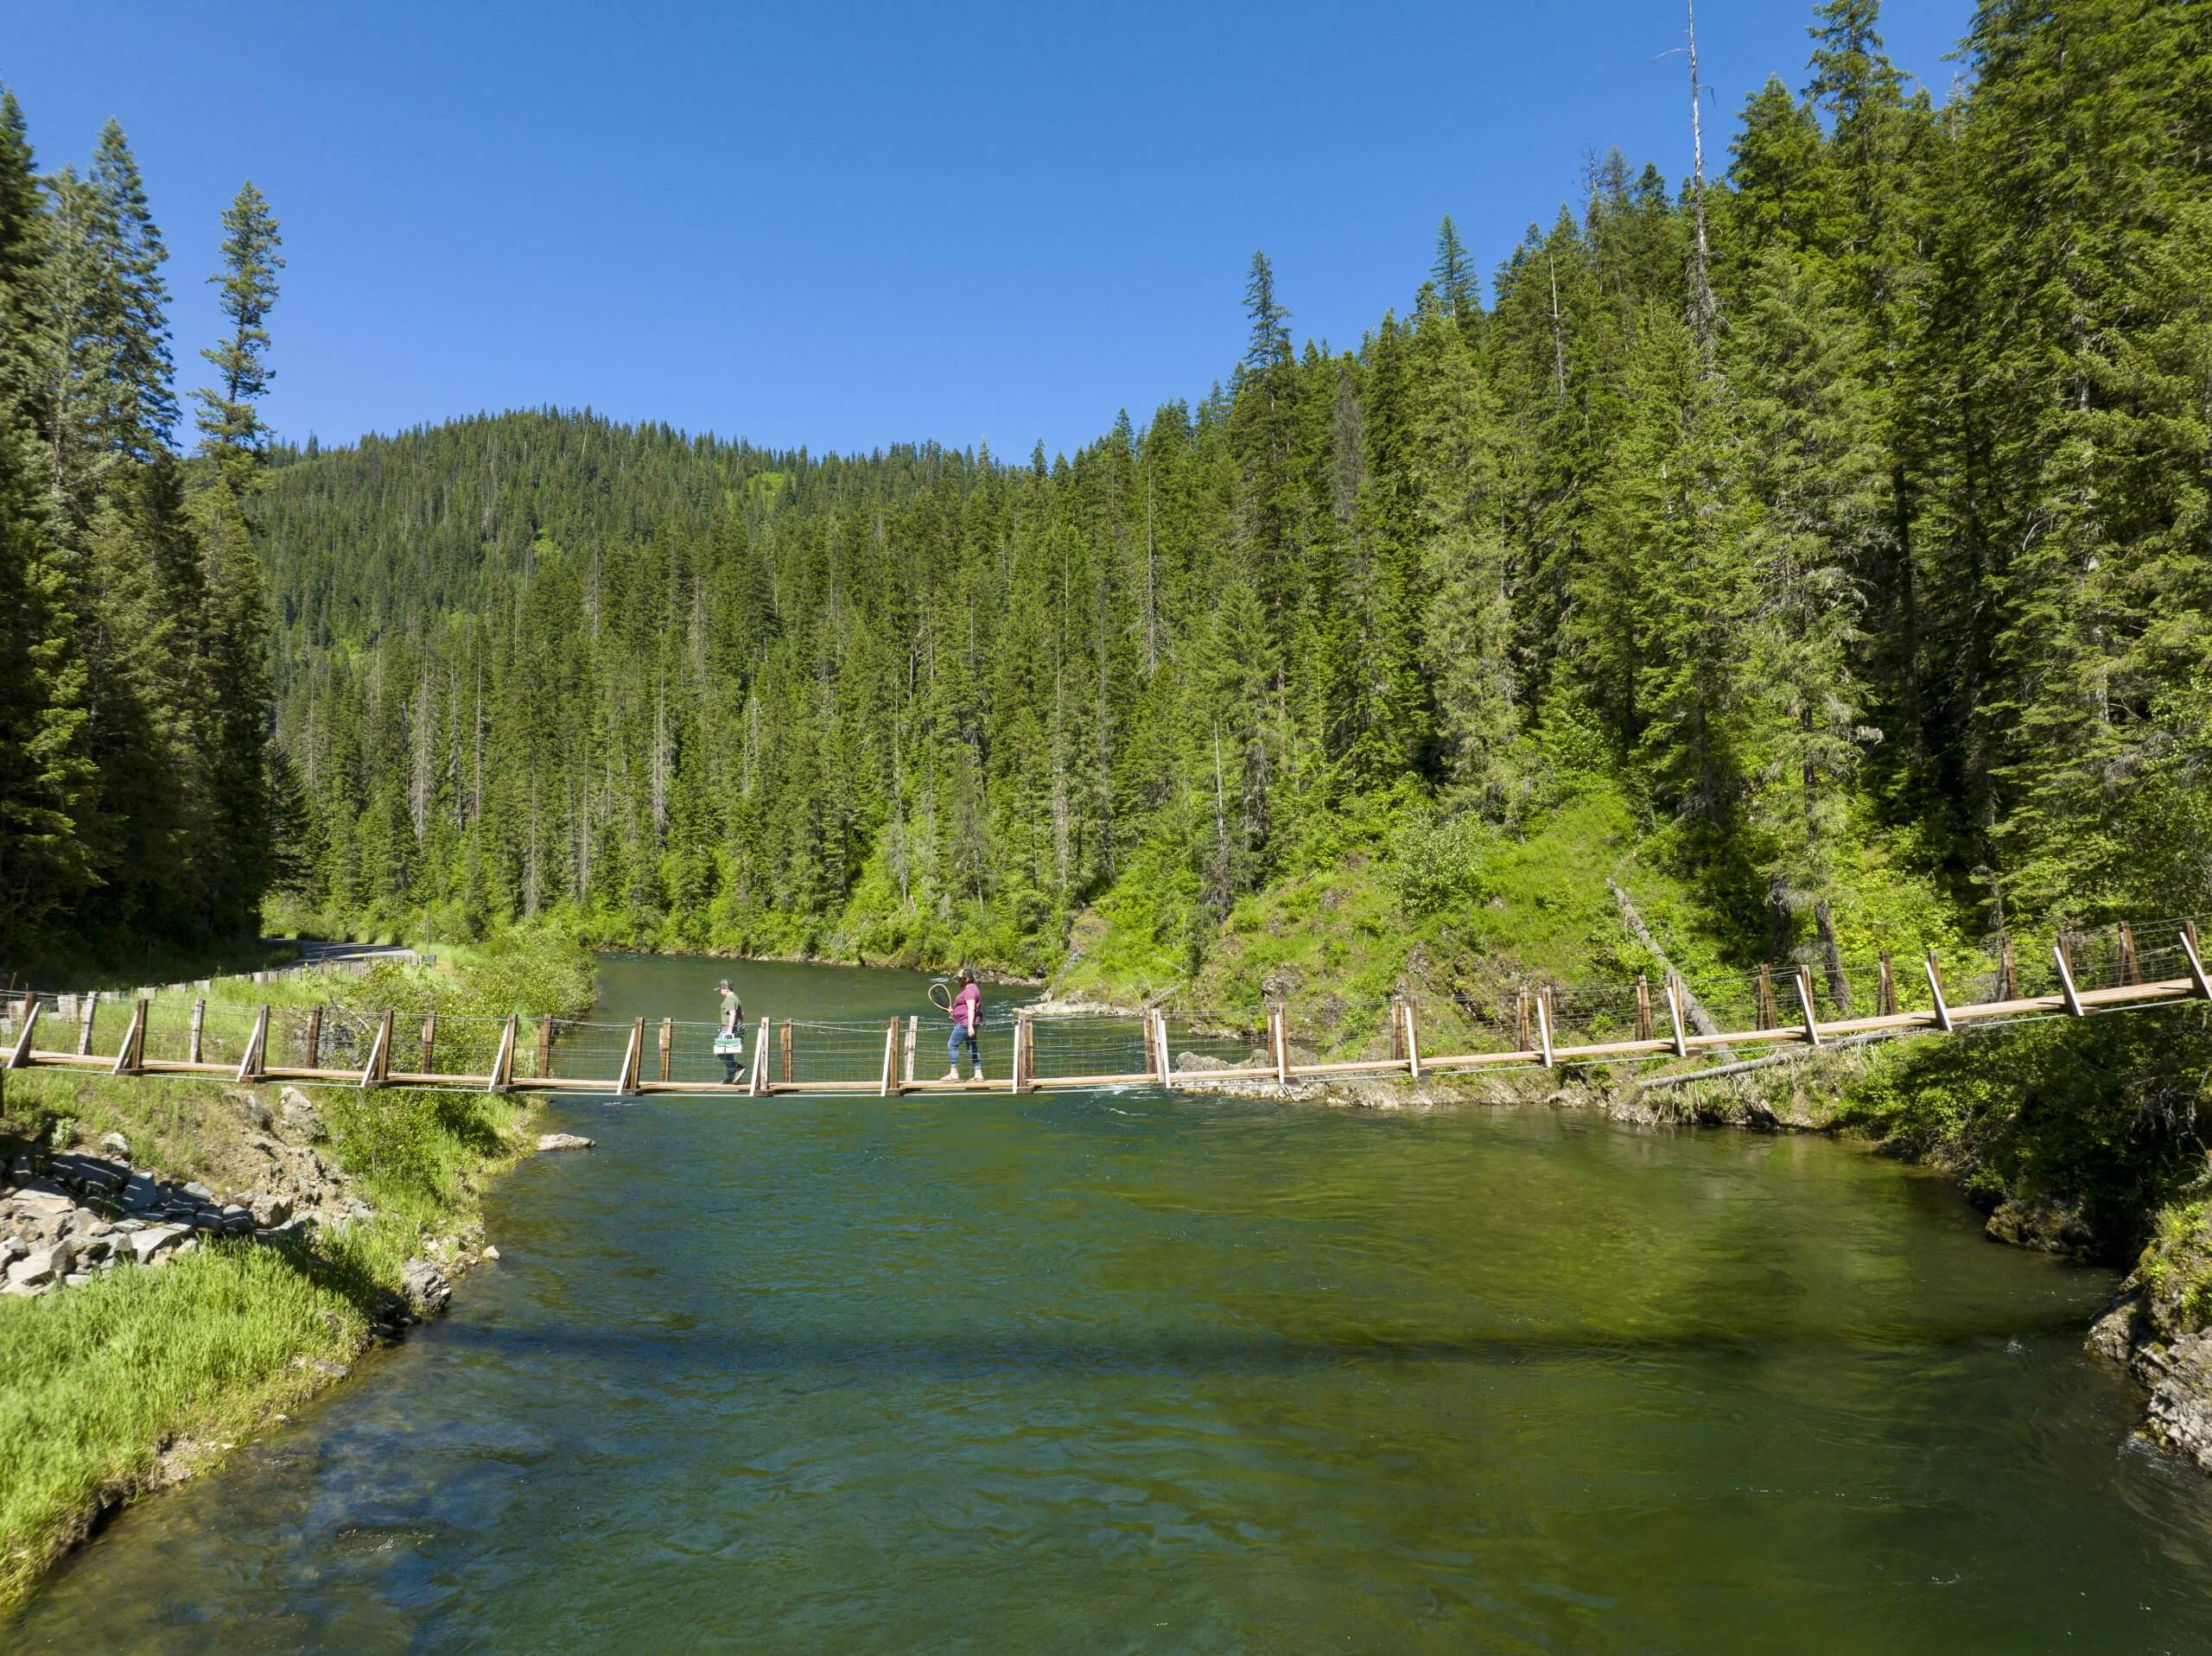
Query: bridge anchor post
<point>21,1057</point>
<point>2196,961</point>
<point>1935,988</point>
<point>1805,1002</point>
<point>254,1064</point>
<point>2066,979</point>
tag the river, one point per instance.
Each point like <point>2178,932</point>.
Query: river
<point>1138,1372</point>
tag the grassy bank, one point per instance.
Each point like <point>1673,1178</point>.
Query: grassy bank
<point>114,1386</point>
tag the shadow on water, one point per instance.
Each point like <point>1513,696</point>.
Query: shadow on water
<point>770,1351</point>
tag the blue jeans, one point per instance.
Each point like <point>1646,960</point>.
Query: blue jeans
<point>952,1047</point>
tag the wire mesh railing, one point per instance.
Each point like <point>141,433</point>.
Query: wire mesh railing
<point>1504,1018</point>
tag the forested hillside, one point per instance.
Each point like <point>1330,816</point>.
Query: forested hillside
<point>1855,497</point>
<point>134,796</point>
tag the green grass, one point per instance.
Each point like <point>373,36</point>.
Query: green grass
<point>207,1347</point>
<point>203,1348</point>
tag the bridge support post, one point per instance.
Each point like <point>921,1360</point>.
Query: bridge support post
<point>667,1044</point>
<point>545,1049</point>
<point>891,1084</point>
<point>2131,970</point>
<point>1024,1055</point>
<point>1159,1063</point>
<point>633,1061</point>
<point>1768,1017</point>
<point>1885,996</point>
<point>1643,1007</point>
<point>1279,1043</point>
<point>128,1055</point>
<point>195,1040</point>
<point>84,1024</point>
<point>1805,1002</point>
<point>783,1047</point>
<point>1521,1019</point>
<point>314,1036</point>
<point>379,1066</point>
<point>21,1057</point>
<point>907,1060</point>
<point>430,1042</point>
<point>254,1063</point>
<point>1544,1029</point>
<point>503,1063</point>
<point>758,1087</point>
<point>2066,979</point>
<point>1411,1010</point>
<point>1935,988</point>
<point>2195,960</point>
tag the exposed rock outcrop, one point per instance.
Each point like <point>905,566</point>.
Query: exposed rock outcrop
<point>2157,1328</point>
<point>67,1215</point>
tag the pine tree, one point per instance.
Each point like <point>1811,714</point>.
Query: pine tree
<point>229,417</point>
<point>140,405</point>
<point>1267,345</point>
<point>1814,466</point>
<point>1466,562</point>
<point>1453,272</point>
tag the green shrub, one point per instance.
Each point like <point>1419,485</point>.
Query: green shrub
<point>1436,866</point>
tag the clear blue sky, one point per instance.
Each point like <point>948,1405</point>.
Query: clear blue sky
<point>845,226</point>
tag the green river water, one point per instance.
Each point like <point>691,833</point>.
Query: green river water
<point>1137,1372</point>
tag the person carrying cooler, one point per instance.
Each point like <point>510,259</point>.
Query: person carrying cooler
<point>729,1040</point>
<point>966,1012</point>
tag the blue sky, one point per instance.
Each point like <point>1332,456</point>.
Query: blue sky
<point>850,226</point>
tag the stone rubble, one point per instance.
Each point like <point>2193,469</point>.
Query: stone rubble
<point>67,1216</point>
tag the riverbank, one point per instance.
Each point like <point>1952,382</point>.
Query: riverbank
<point>191,1260</point>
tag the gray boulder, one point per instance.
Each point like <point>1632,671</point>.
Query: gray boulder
<point>41,1267</point>
<point>270,1209</point>
<point>2180,1378</point>
<point>41,1198</point>
<point>425,1286</point>
<point>151,1244</point>
<point>116,1145</point>
<point>298,1119</point>
<point>563,1141</point>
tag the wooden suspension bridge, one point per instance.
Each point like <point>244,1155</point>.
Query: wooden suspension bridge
<point>1140,1054</point>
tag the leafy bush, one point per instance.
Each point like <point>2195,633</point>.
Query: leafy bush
<point>1436,866</point>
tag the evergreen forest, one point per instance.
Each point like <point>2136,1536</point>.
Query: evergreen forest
<point>139,783</point>
<point>1837,513</point>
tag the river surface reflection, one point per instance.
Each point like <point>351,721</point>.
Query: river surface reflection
<point>1136,1372</point>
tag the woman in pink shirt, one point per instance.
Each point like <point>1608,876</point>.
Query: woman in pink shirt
<point>966,1012</point>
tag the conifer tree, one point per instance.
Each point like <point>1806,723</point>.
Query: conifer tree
<point>230,418</point>
<point>1453,274</point>
<point>140,405</point>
